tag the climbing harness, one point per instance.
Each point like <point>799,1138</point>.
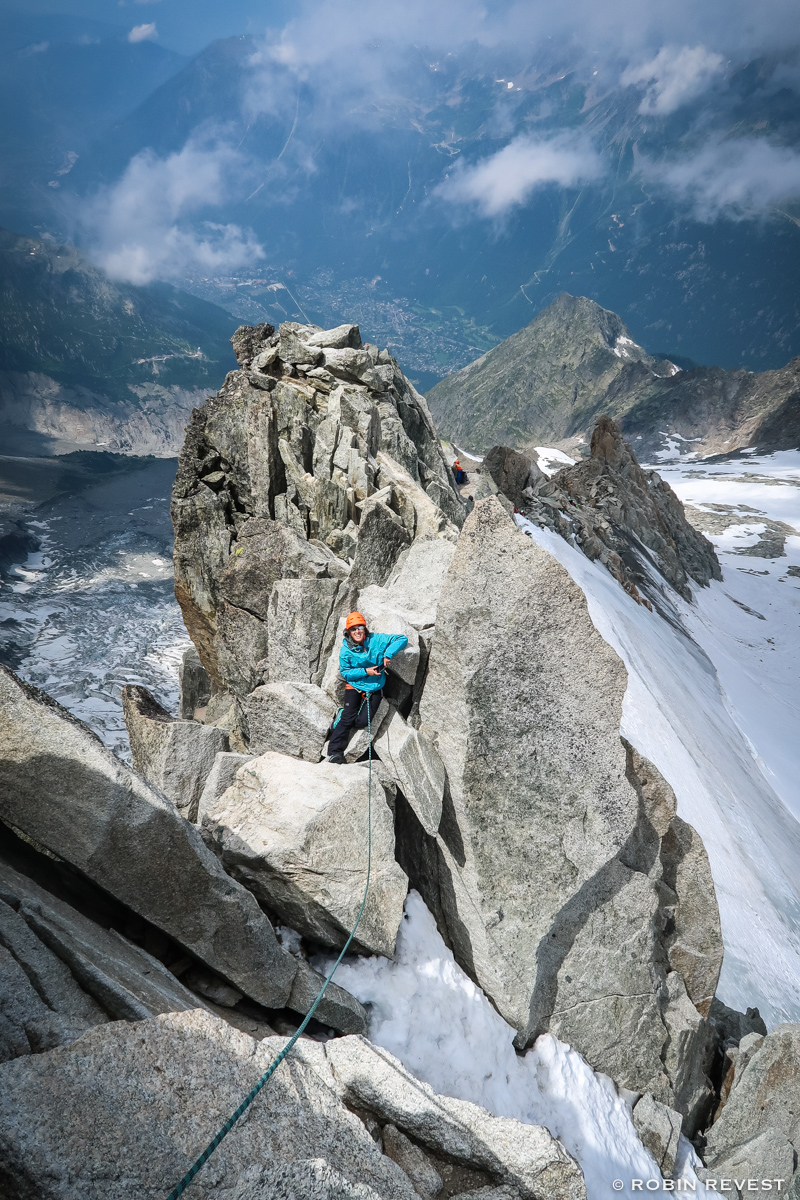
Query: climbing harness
<point>276,1062</point>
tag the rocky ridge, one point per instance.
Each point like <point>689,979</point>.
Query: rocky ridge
<point>611,509</point>
<point>205,879</point>
<point>546,384</point>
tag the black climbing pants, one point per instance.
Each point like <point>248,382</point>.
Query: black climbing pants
<point>354,716</point>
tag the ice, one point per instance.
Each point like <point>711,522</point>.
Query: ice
<point>430,1015</point>
<point>93,608</point>
<point>749,625</point>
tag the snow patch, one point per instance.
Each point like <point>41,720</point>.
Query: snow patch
<point>550,460</point>
<point>430,1015</point>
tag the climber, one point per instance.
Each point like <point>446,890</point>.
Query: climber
<point>460,473</point>
<point>363,659</point>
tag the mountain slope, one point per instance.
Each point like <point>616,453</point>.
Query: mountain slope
<point>577,360</point>
<point>62,80</point>
<point>369,228</point>
<point>72,342</point>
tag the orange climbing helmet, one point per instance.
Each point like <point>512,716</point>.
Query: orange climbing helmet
<point>353,619</point>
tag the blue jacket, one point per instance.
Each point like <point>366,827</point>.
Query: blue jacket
<point>354,660</point>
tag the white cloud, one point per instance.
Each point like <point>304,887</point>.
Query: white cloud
<point>143,33</point>
<point>507,179</point>
<point>153,223</point>
<point>338,32</point>
<point>739,178</point>
<point>676,75</point>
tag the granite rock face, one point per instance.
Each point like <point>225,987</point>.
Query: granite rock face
<point>175,756</point>
<point>546,874</point>
<point>128,1108</point>
<point>278,473</point>
<point>757,1134</point>
<point>61,787</point>
<point>292,718</point>
<point>659,1128</point>
<point>614,511</point>
<point>295,834</point>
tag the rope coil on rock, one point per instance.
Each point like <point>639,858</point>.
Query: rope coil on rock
<point>276,1062</point>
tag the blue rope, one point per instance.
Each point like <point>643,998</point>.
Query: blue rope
<point>276,1062</point>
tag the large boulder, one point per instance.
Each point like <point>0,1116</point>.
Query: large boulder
<point>416,768</point>
<point>757,1134</point>
<point>175,756</point>
<point>512,472</point>
<point>125,1112</point>
<point>546,875</point>
<point>64,789</point>
<point>194,684</point>
<point>220,778</point>
<point>659,1129</point>
<point>290,717</point>
<point>525,1157</point>
<point>382,537</point>
<point>337,1007</point>
<point>296,835</point>
<point>127,1109</point>
<point>416,583</point>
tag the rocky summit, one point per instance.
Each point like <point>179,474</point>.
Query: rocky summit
<point>163,926</point>
<point>548,383</point>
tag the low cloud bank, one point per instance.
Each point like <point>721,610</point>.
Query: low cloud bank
<point>153,223</point>
<point>737,178</point>
<point>143,33</point>
<point>675,76</point>
<point>506,179</point>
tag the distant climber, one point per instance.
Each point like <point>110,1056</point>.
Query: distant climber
<point>460,473</point>
<point>362,662</point>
